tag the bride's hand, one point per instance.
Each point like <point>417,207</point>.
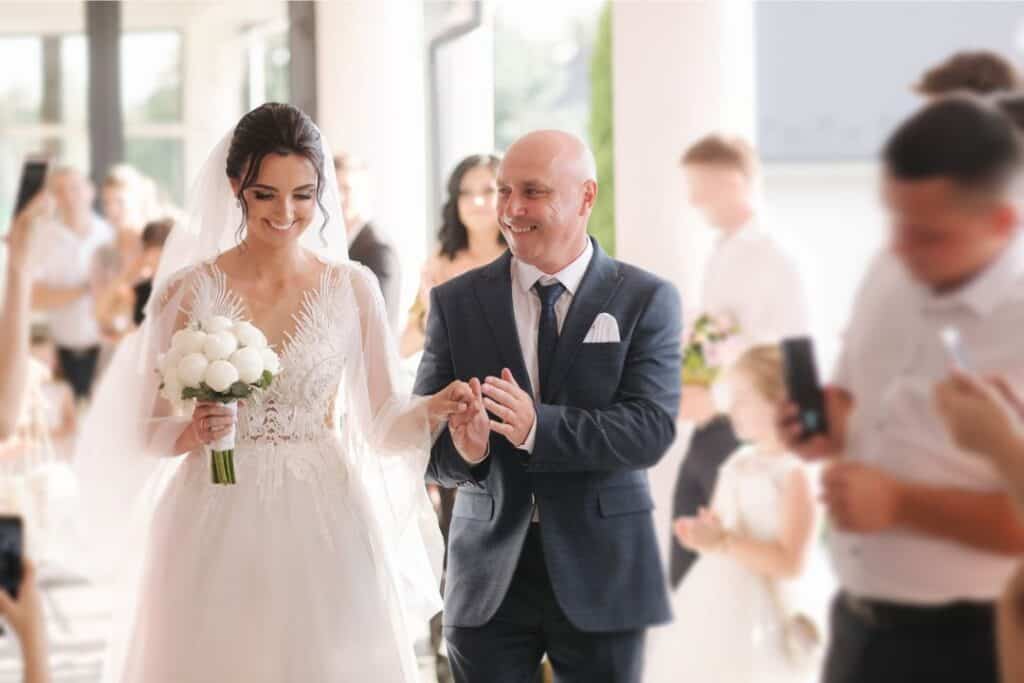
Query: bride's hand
<point>454,398</point>
<point>211,421</point>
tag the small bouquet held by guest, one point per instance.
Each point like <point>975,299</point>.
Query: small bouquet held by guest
<point>705,349</point>
<point>218,360</point>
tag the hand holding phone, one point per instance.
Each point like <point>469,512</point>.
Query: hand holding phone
<point>803,386</point>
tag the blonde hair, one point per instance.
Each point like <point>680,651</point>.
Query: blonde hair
<point>763,366</point>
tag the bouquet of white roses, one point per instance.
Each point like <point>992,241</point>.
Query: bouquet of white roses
<point>218,360</point>
<point>704,351</point>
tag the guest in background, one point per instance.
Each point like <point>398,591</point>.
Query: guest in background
<point>129,291</point>
<point>154,235</point>
<point>128,199</point>
<point>365,245</point>
<point>26,618</point>
<point>980,72</point>
<point>749,279</point>
<point>469,237</point>
<point>60,417</point>
<point>15,313</point>
<point>710,446</point>
<point>63,259</point>
<point>986,417</point>
<point>925,534</point>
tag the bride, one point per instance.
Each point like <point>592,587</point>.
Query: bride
<point>310,567</point>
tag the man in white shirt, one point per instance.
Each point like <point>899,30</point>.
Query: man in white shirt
<point>925,533</point>
<point>63,257</point>
<point>750,279</point>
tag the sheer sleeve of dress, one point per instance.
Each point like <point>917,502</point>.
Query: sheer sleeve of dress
<point>388,435</point>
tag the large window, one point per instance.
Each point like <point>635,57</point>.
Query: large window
<point>151,96</point>
<point>557,74</point>
<point>44,105</point>
<point>268,58</point>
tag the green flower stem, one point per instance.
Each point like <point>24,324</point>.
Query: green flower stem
<point>223,464</point>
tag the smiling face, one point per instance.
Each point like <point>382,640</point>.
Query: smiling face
<point>281,200</point>
<point>546,191</point>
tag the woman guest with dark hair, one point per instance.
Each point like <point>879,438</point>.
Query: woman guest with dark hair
<point>469,237</point>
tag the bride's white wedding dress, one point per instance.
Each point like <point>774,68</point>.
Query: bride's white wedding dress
<point>728,626</point>
<point>281,577</point>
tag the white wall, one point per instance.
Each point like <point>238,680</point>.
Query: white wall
<point>832,216</point>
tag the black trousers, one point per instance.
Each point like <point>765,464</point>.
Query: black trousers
<point>954,644</point>
<point>79,368</point>
<point>529,623</point>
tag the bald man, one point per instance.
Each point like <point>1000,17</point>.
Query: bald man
<point>573,358</point>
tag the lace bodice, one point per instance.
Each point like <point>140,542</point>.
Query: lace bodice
<point>301,404</point>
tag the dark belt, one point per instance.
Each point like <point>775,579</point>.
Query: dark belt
<point>880,613</point>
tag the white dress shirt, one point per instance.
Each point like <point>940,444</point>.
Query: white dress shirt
<point>753,280</point>
<point>64,258</point>
<point>891,359</point>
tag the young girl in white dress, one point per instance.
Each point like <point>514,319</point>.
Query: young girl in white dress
<point>752,609</point>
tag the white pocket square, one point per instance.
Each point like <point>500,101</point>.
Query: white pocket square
<point>605,330</point>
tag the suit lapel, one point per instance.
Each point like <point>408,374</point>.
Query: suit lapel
<point>599,283</point>
<point>494,292</point>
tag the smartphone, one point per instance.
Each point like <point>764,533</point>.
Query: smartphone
<point>11,544</point>
<point>954,345</point>
<point>33,175</point>
<point>801,375</point>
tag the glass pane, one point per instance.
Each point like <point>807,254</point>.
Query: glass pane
<point>163,160</point>
<point>21,88</point>
<point>74,80</point>
<point>542,73</point>
<point>151,67</point>
<point>276,61</point>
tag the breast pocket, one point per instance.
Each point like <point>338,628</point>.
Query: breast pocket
<point>473,505</point>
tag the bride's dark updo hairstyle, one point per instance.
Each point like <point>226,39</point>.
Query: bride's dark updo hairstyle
<point>273,128</point>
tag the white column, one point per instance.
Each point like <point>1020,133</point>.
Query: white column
<point>370,90</point>
<point>681,69</point>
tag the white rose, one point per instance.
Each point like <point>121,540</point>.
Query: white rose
<point>217,323</point>
<point>249,335</point>
<point>188,341</point>
<point>220,375</point>
<point>271,362</point>
<point>171,389</point>
<point>249,363</point>
<point>219,345</point>
<point>191,369</point>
